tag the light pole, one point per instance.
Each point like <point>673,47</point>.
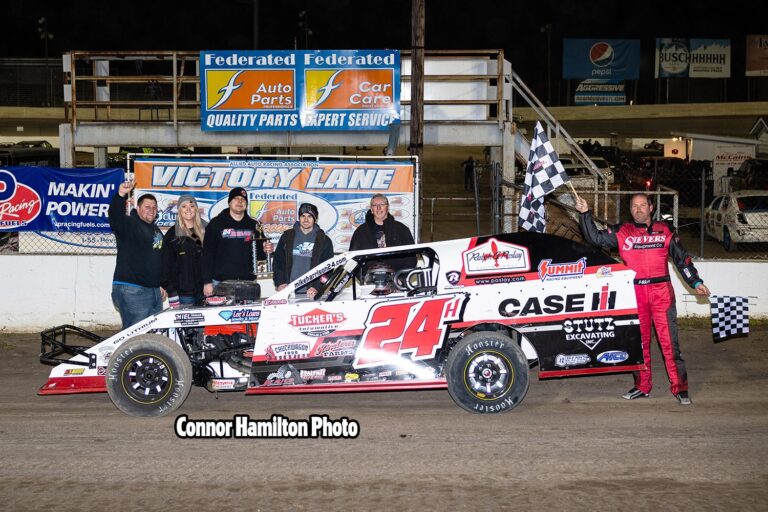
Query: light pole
<point>45,35</point>
<point>547,29</point>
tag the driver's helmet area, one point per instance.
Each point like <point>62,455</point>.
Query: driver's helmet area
<point>402,274</point>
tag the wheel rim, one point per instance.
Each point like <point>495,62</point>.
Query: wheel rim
<point>147,378</point>
<point>488,375</point>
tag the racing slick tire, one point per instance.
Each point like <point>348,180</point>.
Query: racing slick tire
<point>149,375</point>
<point>487,373</point>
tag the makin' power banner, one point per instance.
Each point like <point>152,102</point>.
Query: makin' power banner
<point>299,90</point>
<point>341,190</point>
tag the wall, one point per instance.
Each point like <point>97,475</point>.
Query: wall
<point>44,291</point>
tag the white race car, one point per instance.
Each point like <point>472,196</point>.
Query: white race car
<point>470,315</point>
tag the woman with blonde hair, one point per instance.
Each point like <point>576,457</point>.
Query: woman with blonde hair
<point>182,275</point>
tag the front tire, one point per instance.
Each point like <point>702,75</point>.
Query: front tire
<point>149,375</point>
<point>487,373</point>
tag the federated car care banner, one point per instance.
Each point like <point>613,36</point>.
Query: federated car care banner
<point>49,199</point>
<point>757,56</point>
<point>614,59</point>
<point>341,190</point>
<point>299,90</point>
<point>693,58</point>
<point>600,92</point>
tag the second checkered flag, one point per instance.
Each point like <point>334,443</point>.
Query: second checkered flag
<point>730,316</point>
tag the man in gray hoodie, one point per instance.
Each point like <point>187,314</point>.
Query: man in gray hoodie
<point>299,249</point>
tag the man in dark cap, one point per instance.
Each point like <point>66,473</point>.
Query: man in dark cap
<point>299,249</point>
<point>227,249</point>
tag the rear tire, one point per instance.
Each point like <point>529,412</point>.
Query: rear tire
<point>149,375</point>
<point>487,373</point>
<point>728,242</point>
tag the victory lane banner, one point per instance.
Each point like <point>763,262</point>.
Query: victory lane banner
<point>299,90</point>
<point>51,199</point>
<point>341,190</point>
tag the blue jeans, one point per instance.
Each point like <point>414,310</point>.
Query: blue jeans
<point>135,303</point>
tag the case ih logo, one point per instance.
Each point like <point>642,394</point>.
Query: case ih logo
<point>548,270</point>
<point>317,322</point>
<point>19,204</point>
<point>495,257</point>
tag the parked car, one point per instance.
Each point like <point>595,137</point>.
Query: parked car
<point>738,217</point>
<point>674,173</point>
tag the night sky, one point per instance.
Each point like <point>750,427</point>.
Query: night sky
<point>512,25</point>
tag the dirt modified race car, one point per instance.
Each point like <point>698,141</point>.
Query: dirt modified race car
<point>470,315</point>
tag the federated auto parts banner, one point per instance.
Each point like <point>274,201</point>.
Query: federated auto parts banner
<point>341,190</point>
<point>693,58</point>
<point>63,200</point>
<point>614,59</point>
<point>757,56</point>
<point>299,90</point>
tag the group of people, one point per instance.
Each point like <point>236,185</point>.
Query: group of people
<point>188,262</point>
<point>192,258</point>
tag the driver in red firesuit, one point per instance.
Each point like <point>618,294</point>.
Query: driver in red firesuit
<point>644,246</point>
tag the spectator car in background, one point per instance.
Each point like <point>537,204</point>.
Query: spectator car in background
<point>738,217</point>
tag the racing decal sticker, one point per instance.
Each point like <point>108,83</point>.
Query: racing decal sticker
<point>335,347</point>
<point>298,350</point>
<point>554,304</point>
<point>453,277</point>
<point>613,357</point>
<point>496,257</point>
<point>188,318</point>
<point>558,271</point>
<point>604,272</point>
<point>566,360</point>
<point>241,315</point>
<point>317,323</point>
<point>19,204</point>
<point>589,331</point>
<point>412,327</point>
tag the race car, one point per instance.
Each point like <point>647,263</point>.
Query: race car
<point>472,315</point>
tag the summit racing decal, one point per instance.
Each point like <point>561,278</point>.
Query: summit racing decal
<point>19,204</point>
<point>554,304</point>
<point>589,331</point>
<point>317,323</point>
<point>496,257</point>
<point>556,271</point>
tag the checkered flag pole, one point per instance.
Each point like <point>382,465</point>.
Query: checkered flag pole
<point>544,174</point>
<point>730,316</point>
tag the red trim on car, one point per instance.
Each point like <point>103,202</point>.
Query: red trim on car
<point>588,371</point>
<point>348,386</point>
<point>71,385</point>
<point>525,320</point>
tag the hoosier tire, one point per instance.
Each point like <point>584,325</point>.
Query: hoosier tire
<point>149,375</point>
<point>487,373</point>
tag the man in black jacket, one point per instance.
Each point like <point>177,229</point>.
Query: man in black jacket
<point>136,291</point>
<point>299,249</point>
<point>227,247</point>
<point>380,229</point>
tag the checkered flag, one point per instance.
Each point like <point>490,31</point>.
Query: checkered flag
<point>730,316</point>
<point>544,174</point>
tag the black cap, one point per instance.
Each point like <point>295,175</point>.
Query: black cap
<point>308,208</point>
<point>237,192</point>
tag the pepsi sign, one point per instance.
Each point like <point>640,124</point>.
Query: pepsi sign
<point>614,59</point>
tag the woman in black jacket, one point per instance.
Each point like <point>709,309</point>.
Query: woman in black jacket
<point>182,275</point>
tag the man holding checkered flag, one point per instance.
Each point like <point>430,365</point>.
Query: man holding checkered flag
<point>544,174</point>
<point>730,316</point>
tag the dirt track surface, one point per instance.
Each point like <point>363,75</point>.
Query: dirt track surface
<point>572,444</point>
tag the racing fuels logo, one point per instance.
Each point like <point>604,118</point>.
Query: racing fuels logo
<point>349,89</point>
<point>317,322</point>
<point>566,360</point>
<point>601,54</point>
<point>496,257</point>
<point>589,331</point>
<point>19,204</point>
<point>241,315</point>
<point>270,89</point>
<point>612,357</point>
<point>556,271</point>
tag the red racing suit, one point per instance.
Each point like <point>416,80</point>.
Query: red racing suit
<point>645,249</point>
